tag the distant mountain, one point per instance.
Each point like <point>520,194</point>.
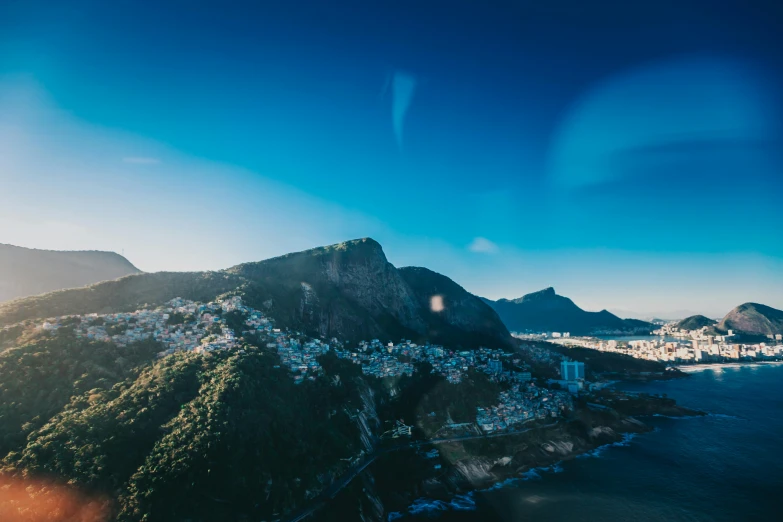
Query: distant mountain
<point>753,319</point>
<point>545,311</point>
<point>695,322</point>
<point>349,291</point>
<point>26,271</point>
<point>664,316</point>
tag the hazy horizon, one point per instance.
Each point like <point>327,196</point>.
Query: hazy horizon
<point>625,170</point>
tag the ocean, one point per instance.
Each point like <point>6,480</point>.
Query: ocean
<point>727,466</point>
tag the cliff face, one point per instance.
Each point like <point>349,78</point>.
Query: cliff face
<point>545,311</point>
<point>753,319</point>
<point>26,271</point>
<point>458,317</point>
<point>351,291</point>
<point>348,290</point>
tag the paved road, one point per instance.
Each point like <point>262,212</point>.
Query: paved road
<point>329,493</point>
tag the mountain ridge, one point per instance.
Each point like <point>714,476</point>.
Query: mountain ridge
<point>695,322</point>
<point>546,311</point>
<point>26,272</point>
<point>347,290</point>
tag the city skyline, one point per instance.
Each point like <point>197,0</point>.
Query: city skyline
<point>625,170</point>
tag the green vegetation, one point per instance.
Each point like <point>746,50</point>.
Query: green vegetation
<point>115,329</point>
<point>695,322</point>
<point>217,436</point>
<point>424,393</point>
<point>37,380</point>
<point>642,404</point>
<point>9,336</point>
<point>176,318</point>
<point>121,295</point>
<point>236,321</point>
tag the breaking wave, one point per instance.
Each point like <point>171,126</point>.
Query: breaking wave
<point>458,503</point>
<point>725,416</point>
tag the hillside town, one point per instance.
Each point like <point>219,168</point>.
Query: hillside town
<point>182,325</point>
<point>394,360</point>
<point>522,403</point>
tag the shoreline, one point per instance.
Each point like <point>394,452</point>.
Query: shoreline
<point>476,468</point>
<point>461,498</point>
<point>480,467</point>
<point>691,368</point>
<point>410,483</point>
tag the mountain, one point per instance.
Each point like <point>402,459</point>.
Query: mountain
<point>28,271</point>
<point>695,322</point>
<point>465,319</point>
<point>348,290</point>
<point>753,319</point>
<point>118,418</point>
<point>225,434</point>
<point>545,311</point>
<point>663,316</point>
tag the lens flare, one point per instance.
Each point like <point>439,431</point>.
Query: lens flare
<point>30,500</point>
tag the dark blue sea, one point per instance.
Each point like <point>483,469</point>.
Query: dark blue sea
<point>727,466</point>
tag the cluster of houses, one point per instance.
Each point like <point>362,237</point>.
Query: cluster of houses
<point>183,325</point>
<point>300,357</point>
<point>178,325</point>
<point>522,403</point>
<point>394,360</point>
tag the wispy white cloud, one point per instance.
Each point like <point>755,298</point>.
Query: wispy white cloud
<point>403,88</point>
<point>141,160</point>
<point>483,245</point>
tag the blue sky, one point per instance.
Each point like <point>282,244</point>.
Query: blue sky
<point>629,156</point>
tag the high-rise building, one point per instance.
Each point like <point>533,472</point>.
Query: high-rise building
<point>572,370</point>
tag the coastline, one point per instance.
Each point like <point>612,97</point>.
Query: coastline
<point>465,468</point>
<point>690,368</point>
<point>693,455</point>
<point>456,488</point>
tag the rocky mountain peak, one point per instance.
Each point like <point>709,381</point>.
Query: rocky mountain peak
<point>545,294</point>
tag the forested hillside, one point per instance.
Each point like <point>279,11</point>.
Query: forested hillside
<point>199,436</point>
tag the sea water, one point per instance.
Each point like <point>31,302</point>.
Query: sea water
<point>727,466</point>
